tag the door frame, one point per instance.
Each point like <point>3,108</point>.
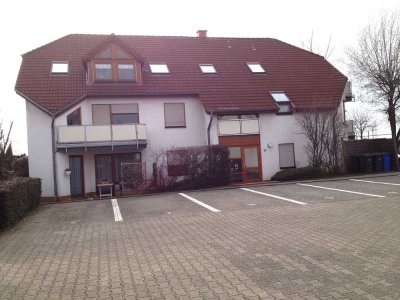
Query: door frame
<point>243,155</point>
<point>82,177</point>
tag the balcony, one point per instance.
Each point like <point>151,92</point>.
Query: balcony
<point>89,136</point>
<point>238,127</point>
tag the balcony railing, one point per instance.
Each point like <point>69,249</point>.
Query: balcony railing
<point>238,127</point>
<point>101,135</point>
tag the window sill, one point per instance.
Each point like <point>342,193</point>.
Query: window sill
<point>166,127</point>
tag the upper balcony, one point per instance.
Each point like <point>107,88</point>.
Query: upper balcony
<point>89,136</point>
<point>238,127</point>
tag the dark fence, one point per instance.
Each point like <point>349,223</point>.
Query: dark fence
<point>362,151</point>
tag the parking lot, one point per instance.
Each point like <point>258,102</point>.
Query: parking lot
<point>332,239</point>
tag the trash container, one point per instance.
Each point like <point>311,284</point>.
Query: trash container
<point>354,164</point>
<point>366,163</point>
<point>387,162</point>
<point>378,162</point>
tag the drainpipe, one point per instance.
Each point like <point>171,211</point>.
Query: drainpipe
<point>209,129</point>
<point>53,148</point>
<point>209,145</point>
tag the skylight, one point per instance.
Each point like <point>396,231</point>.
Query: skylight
<point>255,67</point>
<point>280,97</point>
<point>283,101</point>
<point>159,68</point>
<point>59,67</point>
<point>208,68</point>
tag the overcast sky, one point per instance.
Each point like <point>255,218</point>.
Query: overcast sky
<point>28,24</point>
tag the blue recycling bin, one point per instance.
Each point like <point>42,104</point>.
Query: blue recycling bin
<point>386,162</point>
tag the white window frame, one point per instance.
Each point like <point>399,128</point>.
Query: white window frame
<point>256,68</point>
<point>159,68</point>
<point>60,67</point>
<point>207,68</point>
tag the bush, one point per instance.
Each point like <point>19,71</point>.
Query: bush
<point>20,166</point>
<point>299,174</point>
<point>18,196</point>
<point>191,167</point>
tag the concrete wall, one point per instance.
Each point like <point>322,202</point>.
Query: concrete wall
<point>40,147</point>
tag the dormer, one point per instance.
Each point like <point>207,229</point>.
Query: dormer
<point>113,63</point>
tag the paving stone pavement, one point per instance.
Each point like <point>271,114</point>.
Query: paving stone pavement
<point>335,250</point>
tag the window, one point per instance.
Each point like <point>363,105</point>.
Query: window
<point>174,114</point>
<point>126,72</point>
<point>177,162</point>
<point>104,114</point>
<point>283,101</point>
<point>208,69</point>
<point>59,67</point>
<point>124,113</point>
<point>101,114</point>
<point>103,71</point>
<point>159,68</point>
<point>74,118</point>
<point>286,156</point>
<point>255,67</point>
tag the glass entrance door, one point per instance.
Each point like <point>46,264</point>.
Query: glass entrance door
<point>76,177</point>
<point>251,164</point>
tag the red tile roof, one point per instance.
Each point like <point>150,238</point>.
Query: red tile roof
<point>306,78</point>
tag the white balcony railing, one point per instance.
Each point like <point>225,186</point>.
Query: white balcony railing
<point>238,127</point>
<point>101,135</point>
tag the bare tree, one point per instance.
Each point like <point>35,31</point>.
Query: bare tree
<point>363,121</point>
<point>309,45</point>
<point>323,130</point>
<point>375,63</point>
<point>4,148</point>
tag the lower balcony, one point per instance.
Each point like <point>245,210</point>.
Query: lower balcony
<point>95,136</point>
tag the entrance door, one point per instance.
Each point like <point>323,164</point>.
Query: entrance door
<point>251,164</point>
<point>76,178</point>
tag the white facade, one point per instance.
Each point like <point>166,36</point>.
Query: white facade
<point>273,130</point>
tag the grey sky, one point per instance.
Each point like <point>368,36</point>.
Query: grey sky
<point>26,25</point>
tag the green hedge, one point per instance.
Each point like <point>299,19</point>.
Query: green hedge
<point>18,196</point>
<point>299,174</point>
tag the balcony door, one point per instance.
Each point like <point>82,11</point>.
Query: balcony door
<point>76,177</point>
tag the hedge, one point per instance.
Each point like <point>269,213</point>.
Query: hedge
<point>299,174</point>
<point>18,196</point>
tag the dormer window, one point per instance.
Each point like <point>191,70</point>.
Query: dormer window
<point>159,68</point>
<point>255,67</point>
<point>126,72</point>
<point>283,101</point>
<point>59,67</point>
<point>103,71</point>
<point>114,64</point>
<point>207,69</point>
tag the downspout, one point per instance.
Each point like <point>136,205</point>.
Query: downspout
<point>53,148</point>
<point>209,129</point>
<point>209,145</point>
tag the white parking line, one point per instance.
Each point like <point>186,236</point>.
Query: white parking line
<point>388,183</point>
<point>200,203</point>
<point>274,196</point>
<point>339,190</point>
<point>117,212</point>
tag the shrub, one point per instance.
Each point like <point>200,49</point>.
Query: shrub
<point>299,174</point>
<point>191,167</point>
<point>20,166</point>
<point>18,196</point>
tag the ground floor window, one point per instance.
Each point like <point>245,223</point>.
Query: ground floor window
<point>112,168</point>
<point>286,156</point>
